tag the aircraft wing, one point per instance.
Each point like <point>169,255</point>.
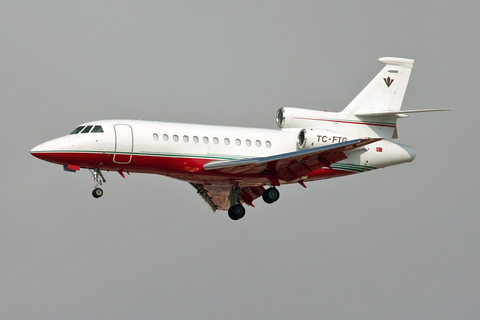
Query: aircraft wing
<point>292,165</point>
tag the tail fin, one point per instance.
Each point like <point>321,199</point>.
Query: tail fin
<point>378,104</point>
<point>386,91</point>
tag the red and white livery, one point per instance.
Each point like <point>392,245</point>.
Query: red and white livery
<point>233,166</point>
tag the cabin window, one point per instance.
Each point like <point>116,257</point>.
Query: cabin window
<point>87,129</point>
<point>238,142</point>
<point>97,129</point>
<point>227,141</point>
<point>195,139</point>
<point>258,143</point>
<point>77,130</point>
<point>268,144</point>
<point>215,140</point>
<point>185,138</point>
<point>248,143</point>
<point>165,137</point>
<point>155,136</point>
<point>175,138</point>
<point>205,140</point>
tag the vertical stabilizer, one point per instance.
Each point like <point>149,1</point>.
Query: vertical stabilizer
<point>386,91</point>
<point>382,95</point>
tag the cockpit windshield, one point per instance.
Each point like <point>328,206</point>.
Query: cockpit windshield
<point>86,129</point>
<point>98,129</point>
<point>77,130</point>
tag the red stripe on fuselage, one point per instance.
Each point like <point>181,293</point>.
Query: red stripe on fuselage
<point>181,168</point>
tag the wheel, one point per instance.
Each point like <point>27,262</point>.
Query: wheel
<point>97,193</point>
<point>236,212</point>
<point>270,195</point>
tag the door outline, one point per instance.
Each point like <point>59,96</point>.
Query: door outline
<point>123,143</point>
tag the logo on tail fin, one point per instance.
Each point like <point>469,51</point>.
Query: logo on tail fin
<point>388,81</point>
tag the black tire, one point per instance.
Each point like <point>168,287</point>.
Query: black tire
<point>270,195</point>
<point>236,212</point>
<point>97,193</point>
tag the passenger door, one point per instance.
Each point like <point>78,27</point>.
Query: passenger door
<point>123,143</point>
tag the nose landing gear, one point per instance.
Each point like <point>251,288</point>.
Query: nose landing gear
<point>97,193</point>
<point>98,180</point>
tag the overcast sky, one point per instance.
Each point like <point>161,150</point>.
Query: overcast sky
<point>396,243</point>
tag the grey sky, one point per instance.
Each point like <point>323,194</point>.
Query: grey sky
<point>398,243</point>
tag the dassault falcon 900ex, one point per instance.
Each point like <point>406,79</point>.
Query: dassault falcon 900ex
<point>232,166</point>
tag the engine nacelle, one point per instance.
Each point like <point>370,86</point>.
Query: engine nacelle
<point>302,118</point>
<point>313,138</point>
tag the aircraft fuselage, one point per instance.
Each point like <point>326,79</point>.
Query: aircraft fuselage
<point>181,150</point>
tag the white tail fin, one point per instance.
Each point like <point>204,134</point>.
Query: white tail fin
<point>386,91</point>
<point>377,106</point>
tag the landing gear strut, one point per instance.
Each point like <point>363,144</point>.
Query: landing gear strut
<point>236,211</point>
<point>98,180</point>
<point>270,195</point>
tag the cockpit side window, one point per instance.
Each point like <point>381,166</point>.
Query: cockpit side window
<point>97,129</point>
<point>87,129</point>
<point>77,130</point>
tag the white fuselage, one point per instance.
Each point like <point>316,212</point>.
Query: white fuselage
<point>180,150</point>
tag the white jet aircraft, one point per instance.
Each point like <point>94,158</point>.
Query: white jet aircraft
<point>231,166</point>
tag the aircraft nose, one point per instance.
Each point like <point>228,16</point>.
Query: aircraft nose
<point>48,150</point>
<point>37,149</point>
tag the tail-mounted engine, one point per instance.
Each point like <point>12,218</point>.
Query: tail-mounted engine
<point>313,138</point>
<point>302,118</point>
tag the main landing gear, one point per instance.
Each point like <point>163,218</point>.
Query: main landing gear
<point>270,195</point>
<point>98,180</point>
<point>237,211</point>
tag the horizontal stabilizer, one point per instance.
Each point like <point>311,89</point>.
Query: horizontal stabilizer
<point>373,113</point>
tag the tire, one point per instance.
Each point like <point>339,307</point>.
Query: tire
<point>236,212</point>
<point>97,193</point>
<point>270,195</point>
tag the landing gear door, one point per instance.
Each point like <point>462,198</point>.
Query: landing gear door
<point>123,143</point>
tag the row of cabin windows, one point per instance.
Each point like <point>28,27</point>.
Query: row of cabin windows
<point>86,129</point>
<point>215,140</point>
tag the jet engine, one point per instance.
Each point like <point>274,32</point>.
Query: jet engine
<point>313,138</point>
<point>301,118</point>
